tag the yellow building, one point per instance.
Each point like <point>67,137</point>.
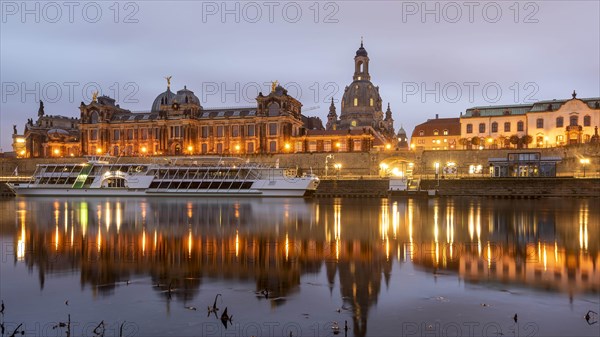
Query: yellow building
<point>542,124</point>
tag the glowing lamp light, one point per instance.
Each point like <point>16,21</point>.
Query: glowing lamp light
<point>287,146</point>
<point>412,146</point>
<point>337,166</point>
<point>190,148</point>
<point>338,144</point>
<point>98,150</point>
<point>56,152</point>
<point>383,166</point>
<point>144,149</point>
<point>388,146</point>
<point>20,140</point>
<point>22,152</point>
<point>237,147</point>
<point>490,140</point>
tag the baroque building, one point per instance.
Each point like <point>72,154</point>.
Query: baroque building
<point>361,105</point>
<point>542,124</point>
<point>48,136</point>
<point>177,124</point>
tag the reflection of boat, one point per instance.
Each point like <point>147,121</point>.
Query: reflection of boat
<point>180,176</point>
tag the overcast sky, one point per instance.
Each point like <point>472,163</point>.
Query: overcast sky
<point>426,57</point>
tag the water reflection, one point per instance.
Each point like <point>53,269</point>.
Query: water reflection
<point>272,243</point>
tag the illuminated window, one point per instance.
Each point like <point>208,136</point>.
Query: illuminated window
<point>355,101</point>
<point>445,132</point>
<point>421,133</point>
<point>370,102</point>
<point>353,123</point>
<point>436,132</point>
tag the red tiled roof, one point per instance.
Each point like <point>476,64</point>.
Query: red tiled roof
<point>440,124</point>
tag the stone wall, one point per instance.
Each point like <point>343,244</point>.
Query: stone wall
<point>365,164</point>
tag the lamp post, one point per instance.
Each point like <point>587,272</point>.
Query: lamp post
<point>584,162</point>
<point>329,156</point>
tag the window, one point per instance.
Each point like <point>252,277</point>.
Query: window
<point>273,146</point>
<point>250,130</point>
<point>353,123</point>
<point>343,147</point>
<point>235,131</point>
<point>559,122</point>
<point>481,127</point>
<point>445,132</point>
<point>272,129</point>
<point>94,134</point>
<point>355,101</point>
<point>312,146</point>
<point>250,147</point>
<point>469,128</point>
<point>539,123</point>
<point>436,132</point>
<point>204,148</point>
<point>298,147</point>
<point>520,126</point>
<point>220,131</point>
<point>219,148</point>
<point>357,145</point>
<point>559,139</point>
<point>176,131</point>
<point>116,135</point>
<point>587,121</point>
<point>94,117</point>
<point>573,120</point>
<point>421,133</point>
<point>370,102</point>
<point>144,132</point>
<point>129,134</point>
<point>273,109</point>
<point>204,132</point>
<point>327,146</point>
<point>494,127</point>
<point>156,133</point>
<point>506,126</point>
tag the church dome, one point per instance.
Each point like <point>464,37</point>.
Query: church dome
<point>186,96</point>
<point>164,98</point>
<point>361,96</point>
<point>362,51</point>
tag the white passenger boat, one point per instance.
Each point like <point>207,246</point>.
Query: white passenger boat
<point>194,176</point>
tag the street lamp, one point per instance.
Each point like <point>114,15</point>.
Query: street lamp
<point>584,162</point>
<point>384,167</point>
<point>329,156</point>
<point>338,167</point>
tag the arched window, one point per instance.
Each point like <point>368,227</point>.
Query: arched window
<point>494,127</point>
<point>573,120</point>
<point>559,122</point>
<point>273,109</point>
<point>481,127</point>
<point>361,67</point>
<point>587,120</point>
<point>506,126</point>
<point>370,101</point>
<point>355,101</point>
<point>94,117</point>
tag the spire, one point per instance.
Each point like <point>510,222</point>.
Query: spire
<point>574,94</point>
<point>332,112</point>
<point>361,42</point>
<point>388,113</point>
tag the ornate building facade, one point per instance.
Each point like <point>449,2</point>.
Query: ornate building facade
<point>178,124</point>
<point>48,136</point>
<point>436,134</point>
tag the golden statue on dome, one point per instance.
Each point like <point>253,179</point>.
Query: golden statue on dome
<point>274,85</point>
<point>95,96</point>
<point>168,78</point>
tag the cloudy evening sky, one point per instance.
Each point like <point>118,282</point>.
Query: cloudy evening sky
<point>426,57</point>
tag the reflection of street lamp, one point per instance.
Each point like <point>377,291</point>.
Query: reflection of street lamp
<point>546,139</point>
<point>437,172</point>
<point>329,156</point>
<point>338,167</point>
<point>584,162</point>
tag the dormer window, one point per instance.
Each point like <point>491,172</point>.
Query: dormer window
<point>421,133</point>
<point>436,132</point>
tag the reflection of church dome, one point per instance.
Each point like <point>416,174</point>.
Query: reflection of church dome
<point>185,96</point>
<point>164,98</point>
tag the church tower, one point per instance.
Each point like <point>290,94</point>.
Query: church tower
<point>331,117</point>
